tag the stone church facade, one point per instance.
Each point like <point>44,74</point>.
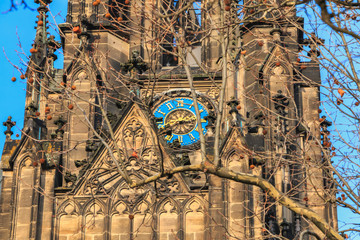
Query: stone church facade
<point>60,180</point>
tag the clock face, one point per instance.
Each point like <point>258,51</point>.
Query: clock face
<point>179,115</point>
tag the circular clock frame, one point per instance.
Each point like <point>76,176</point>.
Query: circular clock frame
<point>175,110</point>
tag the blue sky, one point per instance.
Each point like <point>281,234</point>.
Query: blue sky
<point>343,128</point>
<point>17,36</point>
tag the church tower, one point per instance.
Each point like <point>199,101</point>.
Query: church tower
<point>149,87</point>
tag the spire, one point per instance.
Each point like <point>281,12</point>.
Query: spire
<point>43,46</point>
<point>41,61</point>
<point>39,47</point>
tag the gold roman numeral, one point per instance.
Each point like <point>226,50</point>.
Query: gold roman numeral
<point>191,137</point>
<point>169,137</point>
<point>169,106</point>
<point>180,103</point>
<point>159,111</point>
<point>180,138</point>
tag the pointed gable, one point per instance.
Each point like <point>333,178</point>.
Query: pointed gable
<point>276,70</point>
<point>27,145</point>
<point>235,141</point>
<point>141,154</point>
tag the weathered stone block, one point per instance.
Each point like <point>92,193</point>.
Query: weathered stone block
<point>24,215</point>
<point>142,236</point>
<point>120,224</point>
<point>22,232</point>
<point>69,224</point>
<point>79,125</point>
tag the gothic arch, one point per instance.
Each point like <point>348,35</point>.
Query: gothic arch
<point>142,206</point>
<point>235,160</point>
<point>194,218</point>
<point>276,59</point>
<point>114,196</point>
<point>119,207</point>
<point>21,158</point>
<point>74,74</point>
<point>83,80</point>
<point>80,81</point>
<point>87,205</point>
<point>142,222</point>
<point>68,220</point>
<point>136,221</point>
<point>25,173</point>
<point>93,218</point>
<point>236,195</point>
<point>62,209</point>
<point>227,156</point>
<point>169,219</point>
<point>271,68</point>
<point>164,201</point>
<point>185,204</point>
<point>278,74</point>
<point>119,220</point>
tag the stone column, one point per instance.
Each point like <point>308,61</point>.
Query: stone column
<point>47,204</point>
<point>5,204</point>
<point>216,209</point>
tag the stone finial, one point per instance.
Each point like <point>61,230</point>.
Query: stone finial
<point>32,109</point>
<point>314,42</point>
<point>70,179</point>
<point>211,118</point>
<point>135,63</point>
<point>233,103</point>
<point>90,146</point>
<point>9,124</point>
<point>60,123</point>
<point>276,34</point>
<point>53,46</point>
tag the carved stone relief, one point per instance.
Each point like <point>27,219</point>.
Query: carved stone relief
<point>131,211</point>
<point>133,136</point>
<point>131,195</point>
<point>213,93</point>
<point>139,157</point>
<point>168,186</point>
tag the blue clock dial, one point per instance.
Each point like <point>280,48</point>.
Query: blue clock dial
<point>179,115</point>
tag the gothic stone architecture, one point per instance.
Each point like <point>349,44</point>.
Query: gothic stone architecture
<point>117,99</point>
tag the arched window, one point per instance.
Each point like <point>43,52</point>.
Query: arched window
<point>169,221</point>
<point>194,221</point>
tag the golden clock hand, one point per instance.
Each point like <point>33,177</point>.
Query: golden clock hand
<point>189,119</point>
<point>173,121</point>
